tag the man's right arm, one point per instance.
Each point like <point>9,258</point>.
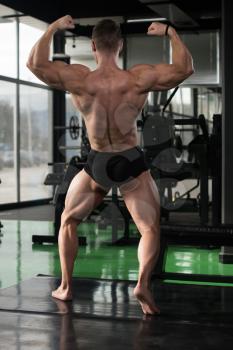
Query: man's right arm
<point>164,76</point>
<point>56,74</point>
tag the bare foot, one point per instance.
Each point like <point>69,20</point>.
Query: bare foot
<point>146,300</point>
<point>62,294</point>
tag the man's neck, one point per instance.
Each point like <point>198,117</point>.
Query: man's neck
<point>104,60</point>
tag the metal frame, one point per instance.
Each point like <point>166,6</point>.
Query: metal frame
<point>25,204</point>
<point>227,111</point>
<point>17,119</point>
<point>24,82</point>
<point>197,236</point>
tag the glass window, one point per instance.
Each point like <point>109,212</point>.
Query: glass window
<point>8,47</point>
<point>30,30</point>
<point>35,142</point>
<point>209,102</point>
<point>182,102</point>
<point>147,50</point>
<point>204,48</point>
<point>7,145</point>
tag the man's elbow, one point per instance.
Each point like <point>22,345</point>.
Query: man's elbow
<point>31,66</point>
<point>189,71</point>
<point>34,66</point>
<point>190,68</point>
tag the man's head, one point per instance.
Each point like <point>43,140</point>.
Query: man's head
<point>106,37</point>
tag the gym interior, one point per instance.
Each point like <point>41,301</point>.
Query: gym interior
<point>185,134</point>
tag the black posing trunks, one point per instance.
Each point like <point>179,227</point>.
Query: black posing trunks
<point>110,169</point>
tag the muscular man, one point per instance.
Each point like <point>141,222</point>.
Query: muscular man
<point>110,100</point>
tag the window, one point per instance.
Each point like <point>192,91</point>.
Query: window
<point>204,48</point>
<point>209,102</point>
<point>35,142</point>
<point>25,108</point>
<point>182,102</point>
<point>30,30</point>
<point>146,49</point>
<point>8,43</point>
<point>7,143</point>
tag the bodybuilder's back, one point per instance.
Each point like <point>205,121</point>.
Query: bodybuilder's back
<point>109,103</point>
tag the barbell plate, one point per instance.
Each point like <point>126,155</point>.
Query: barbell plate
<point>74,127</point>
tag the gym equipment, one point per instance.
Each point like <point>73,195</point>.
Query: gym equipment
<point>169,100</point>
<point>215,159</point>
<point>117,216</point>
<point>201,236</point>
<point>85,144</point>
<point>74,127</point>
<point>62,182</point>
<point>226,255</point>
<point>54,179</point>
<point>161,148</point>
<point>159,135</point>
<point>164,150</point>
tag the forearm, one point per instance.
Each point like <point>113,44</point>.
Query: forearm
<point>39,54</point>
<point>181,56</point>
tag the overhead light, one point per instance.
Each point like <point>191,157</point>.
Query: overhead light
<point>138,20</point>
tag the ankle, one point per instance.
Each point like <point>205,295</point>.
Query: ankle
<point>143,284</point>
<point>65,286</point>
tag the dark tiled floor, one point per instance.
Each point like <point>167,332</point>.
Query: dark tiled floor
<point>104,313</point>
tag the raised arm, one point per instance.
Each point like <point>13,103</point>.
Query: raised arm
<point>165,76</point>
<point>57,74</point>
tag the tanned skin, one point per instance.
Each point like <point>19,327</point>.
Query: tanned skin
<point>110,100</point>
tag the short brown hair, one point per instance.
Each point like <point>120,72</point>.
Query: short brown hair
<point>106,35</point>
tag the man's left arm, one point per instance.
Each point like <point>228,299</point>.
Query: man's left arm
<point>55,74</point>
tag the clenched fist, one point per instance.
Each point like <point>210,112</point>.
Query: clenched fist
<point>63,23</point>
<point>156,28</point>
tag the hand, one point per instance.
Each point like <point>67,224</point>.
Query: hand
<point>157,28</point>
<point>63,23</point>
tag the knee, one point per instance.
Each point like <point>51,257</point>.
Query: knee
<point>145,227</point>
<point>67,219</point>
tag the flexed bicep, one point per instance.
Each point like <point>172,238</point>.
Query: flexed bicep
<point>164,76</point>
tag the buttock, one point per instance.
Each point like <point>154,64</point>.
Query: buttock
<point>110,169</point>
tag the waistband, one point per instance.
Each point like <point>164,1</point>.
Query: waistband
<point>125,152</point>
